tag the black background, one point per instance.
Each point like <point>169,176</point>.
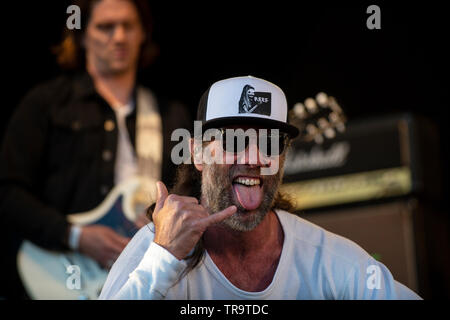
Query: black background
<point>302,47</point>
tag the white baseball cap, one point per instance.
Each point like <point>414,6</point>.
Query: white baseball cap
<point>245,100</point>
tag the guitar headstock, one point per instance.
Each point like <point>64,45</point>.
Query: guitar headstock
<point>318,118</point>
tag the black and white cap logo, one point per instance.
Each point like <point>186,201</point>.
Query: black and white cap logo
<point>252,101</point>
<point>245,97</point>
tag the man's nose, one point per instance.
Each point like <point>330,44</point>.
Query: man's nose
<point>252,155</point>
<point>119,34</point>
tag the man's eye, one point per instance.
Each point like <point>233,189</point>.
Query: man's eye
<point>105,27</point>
<point>128,25</point>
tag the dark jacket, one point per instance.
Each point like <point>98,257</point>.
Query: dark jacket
<point>52,160</point>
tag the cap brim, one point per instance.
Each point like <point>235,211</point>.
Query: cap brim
<point>252,121</point>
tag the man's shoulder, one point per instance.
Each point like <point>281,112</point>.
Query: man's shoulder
<point>54,85</point>
<point>307,234</point>
<point>44,94</point>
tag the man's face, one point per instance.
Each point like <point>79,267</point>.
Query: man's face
<point>113,37</point>
<point>241,185</point>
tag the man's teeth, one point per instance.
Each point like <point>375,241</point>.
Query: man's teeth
<point>248,181</point>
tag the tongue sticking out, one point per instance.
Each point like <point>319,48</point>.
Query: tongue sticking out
<point>249,197</point>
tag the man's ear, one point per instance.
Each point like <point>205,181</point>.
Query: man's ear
<point>195,148</point>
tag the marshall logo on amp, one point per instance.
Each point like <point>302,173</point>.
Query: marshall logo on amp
<point>255,102</point>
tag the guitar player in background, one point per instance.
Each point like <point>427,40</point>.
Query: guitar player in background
<point>74,138</point>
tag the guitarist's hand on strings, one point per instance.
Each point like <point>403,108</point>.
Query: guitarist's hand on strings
<point>102,244</point>
<point>180,221</point>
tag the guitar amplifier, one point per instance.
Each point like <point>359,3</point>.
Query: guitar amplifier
<point>375,158</point>
<point>370,184</point>
<point>388,231</point>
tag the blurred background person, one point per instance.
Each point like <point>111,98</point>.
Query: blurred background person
<point>75,137</point>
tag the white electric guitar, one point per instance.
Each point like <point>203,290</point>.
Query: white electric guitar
<point>318,118</point>
<point>51,275</point>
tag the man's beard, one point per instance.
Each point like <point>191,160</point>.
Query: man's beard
<point>217,194</point>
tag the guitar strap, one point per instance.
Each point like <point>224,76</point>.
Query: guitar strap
<point>149,144</point>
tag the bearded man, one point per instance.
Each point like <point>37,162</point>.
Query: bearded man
<point>224,231</point>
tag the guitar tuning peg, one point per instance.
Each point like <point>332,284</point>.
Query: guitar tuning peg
<point>322,99</point>
<point>299,110</point>
<point>318,139</point>
<point>330,133</point>
<point>334,105</point>
<point>311,105</point>
<point>334,117</point>
<point>311,129</point>
<point>340,127</point>
<point>323,123</point>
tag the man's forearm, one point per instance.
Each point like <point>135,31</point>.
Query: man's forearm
<point>156,273</point>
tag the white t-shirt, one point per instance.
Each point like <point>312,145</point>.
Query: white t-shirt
<point>126,163</point>
<point>314,264</point>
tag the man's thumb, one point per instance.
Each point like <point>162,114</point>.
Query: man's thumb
<point>162,195</point>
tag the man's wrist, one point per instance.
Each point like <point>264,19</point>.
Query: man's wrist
<point>159,270</point>
<point>74,237</point>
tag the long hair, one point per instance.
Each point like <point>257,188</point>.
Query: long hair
<point>188,183</point>
<point>70,53</point>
